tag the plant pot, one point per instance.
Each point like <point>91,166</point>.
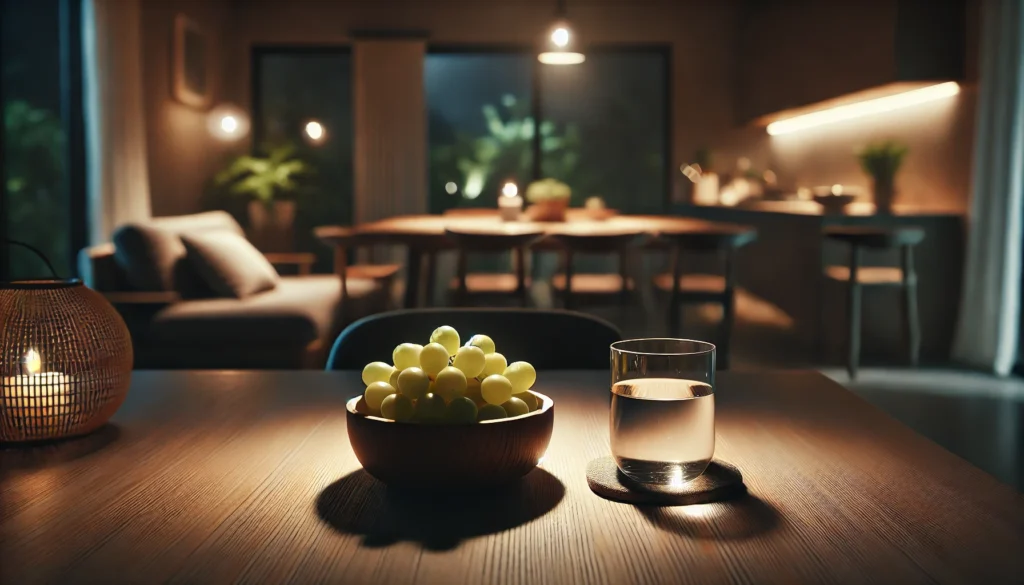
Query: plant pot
<point>548,210</point>
<point>271,226</point>
<point>884,192</point>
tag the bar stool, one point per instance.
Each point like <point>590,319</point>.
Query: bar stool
<point>497,240</point>
<point>722,240</point>
<point>571,284</point>
<point>857,277</point>
<point>342,239</point>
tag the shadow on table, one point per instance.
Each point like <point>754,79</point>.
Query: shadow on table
<point>40,454</point>
<point>360,505</point>
<point>736,519</point>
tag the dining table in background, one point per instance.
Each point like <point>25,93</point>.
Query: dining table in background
<point>424,235</point>
<point>223,477</point>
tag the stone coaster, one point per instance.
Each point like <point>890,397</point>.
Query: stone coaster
<point>720,481</point>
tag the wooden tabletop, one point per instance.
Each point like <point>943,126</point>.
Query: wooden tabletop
<point>221,477</point>
<point>418,227</point>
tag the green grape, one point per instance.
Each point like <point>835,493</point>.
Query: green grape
<point>491,412</point>
<point>461,410</point>
<point>483,342</point>
<point>433,358</point>
<point>450,383</point>
<point>397,407</point>
<point>473,391</point>
<point>407,355</point>
<point>376,393</point>
<point>515,407</point>
<point>496,389</point>
<point>522,375</point>
<point>413,382</point>
<point>494,363</point>
<point>431,408</point>
<point>394,378</point>
<point>530,399</point>
<point>377,372</point>
<point>446,336</point>
<point>470,360</point>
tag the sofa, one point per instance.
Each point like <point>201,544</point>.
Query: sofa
<point>196,294</point>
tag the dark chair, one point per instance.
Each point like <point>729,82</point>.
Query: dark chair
<point>546,339</point>
<point>856,277</point>
<point>511,238</point>
<point>343,239</point>
<point>572,285</point>
<point>723,240</point>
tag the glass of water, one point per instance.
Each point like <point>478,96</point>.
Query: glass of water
<point>663,409</point>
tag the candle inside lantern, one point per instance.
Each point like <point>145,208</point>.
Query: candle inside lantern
<point>35,394</point>
<point>510,204</point>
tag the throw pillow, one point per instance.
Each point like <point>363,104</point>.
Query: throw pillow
<point>229,264</point>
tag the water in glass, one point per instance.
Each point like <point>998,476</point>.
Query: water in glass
<point>662,429</point>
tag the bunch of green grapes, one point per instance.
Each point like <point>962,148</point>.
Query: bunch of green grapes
<point>443,382</point>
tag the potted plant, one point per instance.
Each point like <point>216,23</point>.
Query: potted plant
<point>270,184</point>
<point>549,198</point>
<point>881,161</point>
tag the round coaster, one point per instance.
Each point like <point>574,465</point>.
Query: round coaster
<point>721,481</point>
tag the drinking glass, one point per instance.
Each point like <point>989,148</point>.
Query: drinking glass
<point>663,409</point>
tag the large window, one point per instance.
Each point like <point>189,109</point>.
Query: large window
<point>603,126</point>
<point>303,98</point>
<point>40,49</point>
<point>480,126</point>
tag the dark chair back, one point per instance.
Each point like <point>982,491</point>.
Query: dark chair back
<point>547,339</point>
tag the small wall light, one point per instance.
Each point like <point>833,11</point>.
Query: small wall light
<point>227,122</point>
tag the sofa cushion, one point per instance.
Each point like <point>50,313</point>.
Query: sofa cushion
<point>297,311</point>
<point>229,264</point>
<point>153,256</point>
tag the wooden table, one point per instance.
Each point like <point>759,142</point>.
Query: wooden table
<point>422,234</point>
<point>220,477</point>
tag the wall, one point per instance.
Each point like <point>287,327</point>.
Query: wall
<point>855,52</point>
<point>701,34</point>
<point>182,155</point>
<point>708,57</point>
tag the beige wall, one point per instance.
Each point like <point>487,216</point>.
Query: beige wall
<point>182,155</point>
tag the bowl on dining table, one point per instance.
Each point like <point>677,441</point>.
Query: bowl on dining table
<point>461,457</point>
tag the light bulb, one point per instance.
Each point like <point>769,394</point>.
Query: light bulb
<point>229,124</point>
<point>560,36</point>
<point>314,130</point>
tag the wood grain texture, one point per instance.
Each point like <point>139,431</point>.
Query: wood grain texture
<point>248,477</point>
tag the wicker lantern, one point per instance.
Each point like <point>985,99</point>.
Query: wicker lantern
<point>65,360</point>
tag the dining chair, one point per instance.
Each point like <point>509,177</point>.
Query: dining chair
<point>721,240</point>
<point>572,285</point>
<point>342,240</point>
<point>548,339</point>
<point>857,277</point>
<point>499,240</point>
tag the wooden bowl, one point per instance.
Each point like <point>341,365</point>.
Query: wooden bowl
<point>459,457</point>
<point>834,203</point>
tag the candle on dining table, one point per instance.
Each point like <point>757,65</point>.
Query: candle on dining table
<point>35,394</point>
<point>510,204</point>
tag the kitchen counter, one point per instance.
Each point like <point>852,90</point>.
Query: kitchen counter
<point>784,267</point>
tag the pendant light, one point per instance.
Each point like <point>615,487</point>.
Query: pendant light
<point>560,45</point>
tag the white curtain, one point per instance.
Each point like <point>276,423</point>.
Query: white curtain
<point>115,124</point>
<point>988,334</point>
